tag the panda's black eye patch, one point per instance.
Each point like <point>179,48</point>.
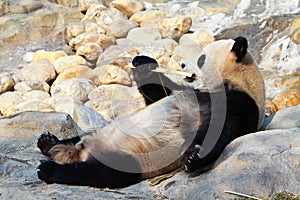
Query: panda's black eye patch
<point>201,61</point>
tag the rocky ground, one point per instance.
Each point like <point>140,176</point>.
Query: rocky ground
<point>63,61</point>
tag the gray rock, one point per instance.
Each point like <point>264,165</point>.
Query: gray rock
<point>283,119</point>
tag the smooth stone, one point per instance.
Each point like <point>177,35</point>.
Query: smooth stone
<point>175,27</point>
<point>90,51</point>
<point>8,102</point>
<point>52,56</point>
<point>142,16</point>
<point>67,62</point>
<point>27,86</point>
<point>84,5</point>
<point>40,70</point>
<point>128,7</point>
<point>36,95</point>
<point>144,35</point>
<point>120,28</point>
<point>199,37</point>
<point>7,82</point>
<point>287,98</point>
<point>33,105</point>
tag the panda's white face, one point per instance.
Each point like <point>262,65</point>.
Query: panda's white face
<point>209,64</point>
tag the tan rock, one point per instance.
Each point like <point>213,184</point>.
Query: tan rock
<point>40,70</point>
<point>84,5</point>
<point>68,62</point>
<point>151,23</point>
<point>128,7</point>
<point>4,8</point>
<point>48,55</point>
<point>33,106</point>
<point>109,74</point>
<point>25,6</point>
<point>90,51</point>
<point>144,36</point>
<point>79,71</point>
<point>68,3</point>
<point>115,92</point>
<point>120,28</point>
<point>89,37</point>
<point>36,95</point>
<point>104,19</point>
<point>287,98</point>
<point>7,82</point>
<point>295,36</point>
<point>142,16</point>
<point>73,29</point>
<point>175,27</point>
<point>271,108</point>
<point>110,109</point>
<point>115,52</point>
<point>78,88</point>
<point>199,37</point>
<point>8,102</point>
<point>93,12</point>
<point>27,86</point>
<point>161,50</point>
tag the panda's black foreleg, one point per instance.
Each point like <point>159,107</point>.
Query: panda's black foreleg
<point>89,173</point>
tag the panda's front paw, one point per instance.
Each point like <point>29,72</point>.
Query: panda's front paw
<point>191,163</point>
<point>46,170</point>
<point>46,141</point>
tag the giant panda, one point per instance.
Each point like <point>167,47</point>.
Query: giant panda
<point>188,129</point>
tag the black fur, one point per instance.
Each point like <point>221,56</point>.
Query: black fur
<point>240,48</point>
<point>90,173</point>
<point>152,85</point>
<point>241,118</point>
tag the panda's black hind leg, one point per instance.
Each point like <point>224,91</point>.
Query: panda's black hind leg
<point>89,173</point>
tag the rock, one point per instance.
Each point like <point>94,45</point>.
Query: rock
<point>175,27</point>
<point>144,36</point>
<point>79,71</point>
<point>27,124</point>
<point>128,7</point>
<point>90,51</point>
<point>295,36</point>
<point>51,56</point>
<point>89,37</point>
<point>161,50</point>
<point>110,109</point>
<point>260,164</point>
<point>86,118</point>
<point>277,84</point>
<point>147,15</point>
<point>68,3</point>
<point>115,92</point>
<point>40,70</point>
<point>84,5</point>
<point>4,8</point>
<point>287,98</point>
<point>78,88</point>
<point>33,105</point>
<point>109,74</point>
<point>27,86</point>
<point>193,11</point>
<point>7,82</point>
<point>93,12</point>
<point>109,16</point>
<point>120,28</point>
<point>8,102</point>
<point>151,23</point>
<point>64,63</point>
<point>36,95</point>
<point>199,37</point>
<point>74,29</point>
<point>25,6</point>
<point>285,118</point>
<point>115,52</point>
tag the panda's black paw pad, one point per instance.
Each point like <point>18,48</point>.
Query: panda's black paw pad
<point>46,141</point>
<point>46,170</point>
<point>191,163</point>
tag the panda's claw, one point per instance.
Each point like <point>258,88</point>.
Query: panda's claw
<point>46,141</point>
<point>191,163</point>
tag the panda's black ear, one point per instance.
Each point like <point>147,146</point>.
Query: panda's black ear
<point>144,63</point>
<point>240,48</point>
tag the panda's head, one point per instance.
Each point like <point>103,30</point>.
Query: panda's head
<point>228,62</point>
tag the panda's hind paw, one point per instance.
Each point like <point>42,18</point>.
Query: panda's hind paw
<point>46,141</point>
<point>191,163</point>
